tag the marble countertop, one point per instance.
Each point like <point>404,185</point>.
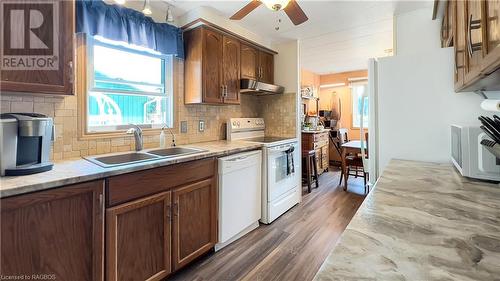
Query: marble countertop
<point>80,170</point>
<point>422,221</point>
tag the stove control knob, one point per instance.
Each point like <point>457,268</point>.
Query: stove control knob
<point>238,123</point>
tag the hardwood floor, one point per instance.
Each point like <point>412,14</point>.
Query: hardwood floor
<point>291,248</point>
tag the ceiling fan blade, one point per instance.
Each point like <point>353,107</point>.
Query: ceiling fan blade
<point>295,13</point>
<point>246,10</point>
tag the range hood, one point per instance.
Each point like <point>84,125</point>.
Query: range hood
<point>254,87</point>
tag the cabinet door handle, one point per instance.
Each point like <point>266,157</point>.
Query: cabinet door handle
<point>222,91</point>
<point>225,91</point>
<point>101,204</point>
<point>473,24</point>
<point>71,72</point>
<point>169,211</point>
<point>176,209</point>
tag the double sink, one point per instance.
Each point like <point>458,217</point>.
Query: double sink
<point>142,156</point>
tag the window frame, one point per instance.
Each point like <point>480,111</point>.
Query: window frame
<point>166,76</point>
<point>351,86</point>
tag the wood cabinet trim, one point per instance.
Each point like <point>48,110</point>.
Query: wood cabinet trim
<point>201,22</point>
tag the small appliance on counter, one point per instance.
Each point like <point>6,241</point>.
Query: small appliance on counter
<point>471,153</point>
<point>25,140</point>
<point>311,123</point>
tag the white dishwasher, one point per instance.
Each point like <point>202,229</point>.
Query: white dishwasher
<point>239,195</point>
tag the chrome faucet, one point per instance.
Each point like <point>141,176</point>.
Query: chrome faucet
<point>137,131</point>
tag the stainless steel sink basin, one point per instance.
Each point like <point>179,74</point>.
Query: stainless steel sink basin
<point>108,161</point>
<point>174,151</point>
<point>122,159</point>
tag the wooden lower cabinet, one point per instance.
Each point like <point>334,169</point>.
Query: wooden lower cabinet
<point>159,220</point>
<point>194,221</point>
<point>55,234</point>
<point>138,239</point>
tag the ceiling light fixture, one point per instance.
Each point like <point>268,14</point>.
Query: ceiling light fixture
<point>275,5</point>
<point>334,85</point>
<point>169,17</point>
<point>120,2</point>
<point>146,9</point>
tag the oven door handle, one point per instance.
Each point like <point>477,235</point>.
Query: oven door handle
<point>282,149</point>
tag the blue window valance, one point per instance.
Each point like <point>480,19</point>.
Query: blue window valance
<point>118,23</point>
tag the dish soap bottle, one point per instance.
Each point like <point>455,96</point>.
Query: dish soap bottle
<point>162,138</point>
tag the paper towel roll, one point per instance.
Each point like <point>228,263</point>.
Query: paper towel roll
<point>491,105</point>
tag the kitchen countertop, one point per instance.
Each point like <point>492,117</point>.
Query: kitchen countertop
<point>422,221</point>
<point>80,170</point>
<point>316,131</point>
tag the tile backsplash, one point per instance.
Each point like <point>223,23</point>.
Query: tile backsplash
<point>278,112</point>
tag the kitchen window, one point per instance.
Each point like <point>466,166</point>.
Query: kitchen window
<point>358,92</point>
<point>127,85</point>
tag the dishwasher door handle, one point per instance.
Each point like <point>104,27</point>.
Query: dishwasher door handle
<point>238,159</point>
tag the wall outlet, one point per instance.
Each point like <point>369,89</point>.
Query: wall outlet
<point>201,126</point>
<point>184,127</point>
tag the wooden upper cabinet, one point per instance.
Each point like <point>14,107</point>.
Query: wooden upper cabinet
<point>249,62</point>
<point>56,232</point>
<point>231,69</point>
<point>266,63</point>
<point>138,239</point>
<point>58,81</point>
<point>474,39</point>
<point>492,22</point>
<point>257,64</point>
<point>194,221</point>
<point>447,32</point>
<point>459,43</point>
<point>212,66</point>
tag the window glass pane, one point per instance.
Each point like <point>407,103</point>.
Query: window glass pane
<point>117,69</point>
<point>129,85</point>
<point>357,95</point>
<point>108,110</point>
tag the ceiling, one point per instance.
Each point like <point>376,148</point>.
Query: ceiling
<point>339,35</point>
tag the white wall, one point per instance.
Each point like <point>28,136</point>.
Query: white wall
<point>416,100</point>
<point>286,66</point>
<point>416,32</point>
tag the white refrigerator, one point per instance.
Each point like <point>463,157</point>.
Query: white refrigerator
<point>412,105</point>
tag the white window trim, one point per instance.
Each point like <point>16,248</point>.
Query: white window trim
<point>168,71</point>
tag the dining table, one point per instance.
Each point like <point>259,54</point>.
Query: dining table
<point>353,147</point>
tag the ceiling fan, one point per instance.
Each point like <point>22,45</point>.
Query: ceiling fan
<point>291,8</point>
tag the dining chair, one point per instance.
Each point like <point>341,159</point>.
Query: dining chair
<point>343,135</point>
<point>356,166</point>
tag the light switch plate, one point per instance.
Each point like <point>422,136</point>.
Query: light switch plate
<point>201,125</point>
<point>184,127</point>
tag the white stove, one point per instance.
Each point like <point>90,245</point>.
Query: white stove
<point>280,165</point>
